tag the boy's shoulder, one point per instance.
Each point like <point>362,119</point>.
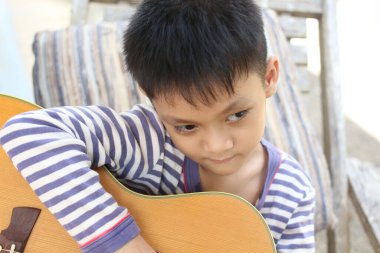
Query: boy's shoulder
<point>143,107</point>
<point>288,201</point>
<point>287,173</point>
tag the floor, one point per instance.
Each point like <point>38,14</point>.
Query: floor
<point>21,19</point>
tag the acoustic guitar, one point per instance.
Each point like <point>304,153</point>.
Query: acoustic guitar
<point>209,222</point>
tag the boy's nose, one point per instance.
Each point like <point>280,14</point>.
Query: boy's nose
<point>217,142</point>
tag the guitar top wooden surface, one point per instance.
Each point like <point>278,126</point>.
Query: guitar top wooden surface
<point>48,235</point>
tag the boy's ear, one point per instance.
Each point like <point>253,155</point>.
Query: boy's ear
<point>141,91</point>
<point>143,95</point>
<point>271,76</point>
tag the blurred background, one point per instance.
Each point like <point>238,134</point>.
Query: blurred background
<point>358,32</point>
<point>359,37</point>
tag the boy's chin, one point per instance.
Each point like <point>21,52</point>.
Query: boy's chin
<point>224,167</point>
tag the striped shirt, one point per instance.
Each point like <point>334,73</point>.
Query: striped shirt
<point>55,149</point>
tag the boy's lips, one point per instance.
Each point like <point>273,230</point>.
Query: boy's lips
<point>221,160</point>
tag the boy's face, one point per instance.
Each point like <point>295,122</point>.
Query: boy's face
<point>225,135</point>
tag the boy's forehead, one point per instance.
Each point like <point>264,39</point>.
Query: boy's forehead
<point>245,93</point>
<point>211,95</point>
<point>194,100</point>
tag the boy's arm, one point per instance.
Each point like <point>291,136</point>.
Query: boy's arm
<point>298,236</point>
<point>136,245</point>
<point>55,150</point>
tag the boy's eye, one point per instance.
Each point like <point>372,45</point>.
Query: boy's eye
<point>237,116</point>
<point>185,128</point>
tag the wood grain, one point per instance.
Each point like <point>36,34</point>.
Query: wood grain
<point>205,222</point>
<point>48,235</point>
<point>364,191</point>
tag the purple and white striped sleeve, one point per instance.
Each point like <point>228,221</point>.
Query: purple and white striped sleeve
<point>55,149</point>
<point>288,207</point>
<point>298,235</point>
<point>296,208</point>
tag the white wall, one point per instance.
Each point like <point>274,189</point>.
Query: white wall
<point>19,21</point>
<point>359,40</point>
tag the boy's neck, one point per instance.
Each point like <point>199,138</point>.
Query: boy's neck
<point>247,182</point>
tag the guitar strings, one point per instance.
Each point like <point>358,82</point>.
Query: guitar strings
<point>9,250</point>
<point>12,250</point>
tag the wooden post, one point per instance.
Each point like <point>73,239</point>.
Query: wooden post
<point>79,10</point>
<point>333,124</point>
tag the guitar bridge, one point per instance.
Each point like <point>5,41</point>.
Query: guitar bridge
<point>14,238</point>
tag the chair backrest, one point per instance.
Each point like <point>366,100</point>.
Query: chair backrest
<point>82,65</point>
<point>333,133</point>
<point>288,126</point>
<point>333,117</point>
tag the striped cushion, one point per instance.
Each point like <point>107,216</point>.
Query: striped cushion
<point>288,128</point>
<point>84,65</point>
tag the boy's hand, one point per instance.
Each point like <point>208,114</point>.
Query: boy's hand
<point>136,245</point>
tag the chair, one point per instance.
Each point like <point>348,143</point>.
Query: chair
<point>88,69</point>
<point>352,179</point>
<point>333,122</point>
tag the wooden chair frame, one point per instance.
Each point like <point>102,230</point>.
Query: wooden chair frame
<point>334,141</point>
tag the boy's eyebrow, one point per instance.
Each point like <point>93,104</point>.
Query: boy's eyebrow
<point>176,121</point>
<point>237,104</point>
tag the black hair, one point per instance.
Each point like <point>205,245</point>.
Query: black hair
<point>195,48</point>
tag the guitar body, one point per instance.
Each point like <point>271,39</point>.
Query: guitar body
<point>47,235</point>
<point>186,223</point>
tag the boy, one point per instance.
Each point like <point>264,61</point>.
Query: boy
<point>204,66</point>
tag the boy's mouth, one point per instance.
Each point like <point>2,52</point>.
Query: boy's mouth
<point>221,160</point>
